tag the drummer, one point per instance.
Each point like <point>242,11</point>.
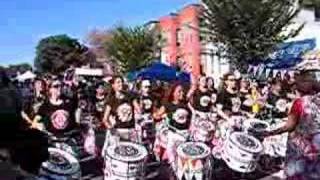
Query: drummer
<point>56,115</point>
<point>119,111</point>
<point>201,98</point>
<point>145,102</point>
<point>179,119</point>
<point>32,104</point>
<point>303,145</point>
<point>228,101</point>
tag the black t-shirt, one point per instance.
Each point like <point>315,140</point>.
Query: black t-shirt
<point>122,110</point>
<point>100,105</point>
<point>202,101</point>
<point>147,103</point>
<point>243,98</point>
<point>58,119</point>
<point>230,102</point>
<point>273,100</point>
<point>172,110</point>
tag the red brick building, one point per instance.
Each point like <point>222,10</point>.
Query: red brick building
<point>181,38</point>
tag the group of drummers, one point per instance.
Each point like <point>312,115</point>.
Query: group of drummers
<point>144,121</point>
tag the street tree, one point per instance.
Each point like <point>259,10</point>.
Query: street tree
<point>131,48</point>
<point>55,54</point>
<point>248,31</point>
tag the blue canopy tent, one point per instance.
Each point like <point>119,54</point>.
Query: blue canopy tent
<point>160,71</point>
<point>285,57</point>
<point>289,54</point>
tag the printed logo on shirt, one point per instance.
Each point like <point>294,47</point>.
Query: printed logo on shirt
<point>124,112</point>
<point>205,101</point>
<point>59,119</point>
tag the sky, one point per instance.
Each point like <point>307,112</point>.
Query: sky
<point>24,22</point>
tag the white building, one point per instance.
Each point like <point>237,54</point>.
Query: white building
<point>216,67</point>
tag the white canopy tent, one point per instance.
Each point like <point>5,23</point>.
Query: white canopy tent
<point>25,76</point>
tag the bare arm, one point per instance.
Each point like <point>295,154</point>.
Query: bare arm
<point>220,112</point>
<point>290,125</point>
<point>159,114</point>
<point>106,116</point>
<point>136,106</point>
<point>26,118</point>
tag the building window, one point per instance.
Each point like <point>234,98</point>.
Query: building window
<point>179,36</point>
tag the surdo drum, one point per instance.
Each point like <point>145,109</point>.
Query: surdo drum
<point>203,131</point>
<point>125,161</point>
<point>193,162</point>
<point>256,127</point>
<point>241,152</point>
<point>60,166</point>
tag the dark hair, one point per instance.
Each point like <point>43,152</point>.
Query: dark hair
<point>307,83</point>
<point>226,76</point>
<point>172,90</point>
<point>113,79</point>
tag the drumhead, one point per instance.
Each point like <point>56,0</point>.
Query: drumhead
<point>257,125</point>
<point>61,162</point>
<point>127,151</point>
<point>246,142</point>
<point>205,125</point>
<point>193,150</point>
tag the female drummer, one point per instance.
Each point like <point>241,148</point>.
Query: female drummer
<point>56,115</point>
<point>174,105</point>
<point>145,102</point>
<point>179,118</point>
<point>31,105</point>
<point>119,113</point>
<point>303,124</point>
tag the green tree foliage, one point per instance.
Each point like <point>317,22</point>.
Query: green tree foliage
<point>131,48</point>
<point>56,53</point>
<point>23,67</point>
<point>248,30</point>
<point>310,3</point>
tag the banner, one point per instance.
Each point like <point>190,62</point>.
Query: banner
<point>261,69</point>
<point>289,54</point>
<point>275,72</point>
<point>255,69</point>
<point>250,69</point>
<point>268,72</point>
<point>282,73</point>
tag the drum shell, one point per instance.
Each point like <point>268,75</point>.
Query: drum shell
<point>161,141</point>
<point>46,171</point>
<point>242,155</point>
<point>124,169</point>
<point>193,168</point>
<point>201,132</point>
<point>238,158</point>
<point>236,165</point>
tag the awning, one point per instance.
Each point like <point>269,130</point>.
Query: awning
<point>289,54</point>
